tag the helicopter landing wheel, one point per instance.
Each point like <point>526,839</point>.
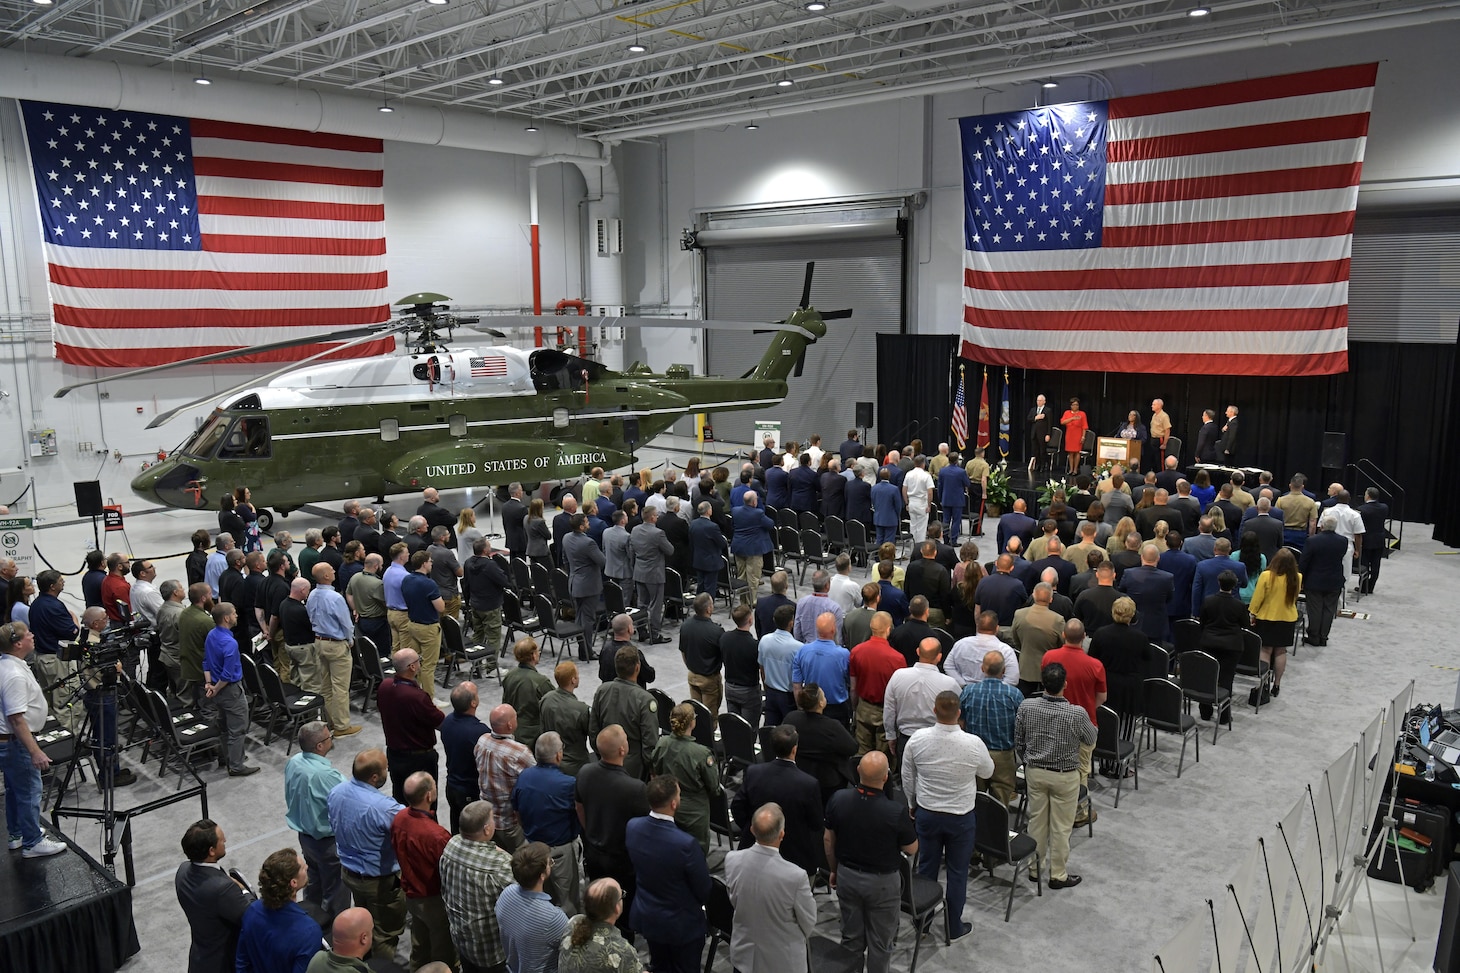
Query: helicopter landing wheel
<point>266,519</point>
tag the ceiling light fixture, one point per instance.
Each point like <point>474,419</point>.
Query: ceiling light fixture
<point>636,47</point>
<point>494,80</point>
<point>437,3</point>
<point>202,77</point>
<point>751,126</point>
<point>42,3</point>
<point>1051,83</point>
<point>785,82</point>
<point>530,127</point>
<point>816,6</point>
<point>385,108</point>
<point>1198,11</point>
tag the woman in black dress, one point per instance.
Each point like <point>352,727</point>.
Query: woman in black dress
<point>230,523</point>
<point>1125,651</point>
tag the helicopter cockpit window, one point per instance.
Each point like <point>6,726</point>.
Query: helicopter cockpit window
<point>554,371</point>
<point>207,439</point>
<point>247,439</point>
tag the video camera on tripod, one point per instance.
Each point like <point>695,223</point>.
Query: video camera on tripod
<point>103,657</point>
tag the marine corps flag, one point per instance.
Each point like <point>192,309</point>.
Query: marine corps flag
<point>1004,420</point>
<point>983,413</point>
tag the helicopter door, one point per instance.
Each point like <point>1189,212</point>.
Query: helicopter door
<point>247,439</point>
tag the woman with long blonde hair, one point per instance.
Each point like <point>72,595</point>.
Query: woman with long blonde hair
<point>1275,611</point>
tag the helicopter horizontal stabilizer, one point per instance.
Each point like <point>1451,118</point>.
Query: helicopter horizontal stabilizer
<point>552,321</point>
<point>465,463</point>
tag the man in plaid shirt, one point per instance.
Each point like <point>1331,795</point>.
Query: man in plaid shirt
<point>500,760</point>
<point>989,707</point>
<point>474,871</point>
<point>1048,733</point>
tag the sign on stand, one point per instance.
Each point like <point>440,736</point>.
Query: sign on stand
<point>17,540</point>
<point>764,428</point>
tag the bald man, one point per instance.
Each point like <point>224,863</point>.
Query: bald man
<point>607,799</point>
<point>867,832</point>
<point>827,664</point>
<point>500,761</point>
<point>299,638</point>
<point>410,719</point>
<point>908,704</point>
<point>361,818</point>
<point>350,941</point>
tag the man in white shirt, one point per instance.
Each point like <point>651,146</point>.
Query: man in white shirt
<point>22,713</point>
<point>145,598</point>
<point>907,706</point>
<point>1348,525</point>
<point>844,591</point>
<point>917,489</point>
<point>965,659</point>
<point>936,776</point>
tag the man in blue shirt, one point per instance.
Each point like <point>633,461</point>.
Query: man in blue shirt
<point>777,654</point>
<point>753,539</point>
<point>218,562</point>
<point>308,779</point>
<point>334,629</point>
<point>814,605</point>
<point>460,731</point>
<point>545,801</point>
<point>531,925</point>
<point>223,684</point>
<point>424,607</point>
<point>1204,580</point>
<point>276,935</point>
<point>825,663</point>
<point>989,707</point>
<point>361,817</point>
<point>54,626</point>
<point>395,605</point>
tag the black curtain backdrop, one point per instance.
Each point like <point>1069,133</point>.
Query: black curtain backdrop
<point>1394,405</point>
<point>1446,515</point>
<point>915,373</point>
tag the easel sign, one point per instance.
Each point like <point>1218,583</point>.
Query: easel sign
<point>768,427</point>
<point>111,516</point>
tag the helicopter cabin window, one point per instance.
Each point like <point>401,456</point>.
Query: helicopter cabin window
<point>457,424</point>
<point>389,430</point>
<point>207,438</point>
<point>247,439</point>
<point>554,371</point>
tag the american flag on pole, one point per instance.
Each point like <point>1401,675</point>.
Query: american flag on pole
<point>169,237</point>
<point>1204,230</point>
<point>960,413</point>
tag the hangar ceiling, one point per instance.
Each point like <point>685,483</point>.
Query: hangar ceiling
<point>702,63</point>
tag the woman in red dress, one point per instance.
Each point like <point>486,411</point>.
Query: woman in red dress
<point>1075,423</point>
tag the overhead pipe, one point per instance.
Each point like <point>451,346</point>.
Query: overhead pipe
<point>100,83</point>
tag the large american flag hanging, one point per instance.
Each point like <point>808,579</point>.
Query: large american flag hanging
<point>170,237</point>
<point>1198,231</point>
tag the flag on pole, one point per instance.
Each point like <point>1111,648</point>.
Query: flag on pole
<point>960,414</point>
<point>169,237</point>
<point>1142,232</point>
<point>1004,420</point>
<point>983,412</point>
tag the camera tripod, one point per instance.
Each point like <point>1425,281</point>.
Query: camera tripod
<point>100,704</point>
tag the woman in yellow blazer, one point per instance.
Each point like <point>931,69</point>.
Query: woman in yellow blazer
<point>1275,611</point>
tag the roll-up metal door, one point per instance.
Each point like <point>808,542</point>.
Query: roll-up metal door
<point>1404,281</point>
<point>763,282</point>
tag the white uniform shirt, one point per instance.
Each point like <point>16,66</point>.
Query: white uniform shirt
<point>919,484</point>
<point>1349,525</point>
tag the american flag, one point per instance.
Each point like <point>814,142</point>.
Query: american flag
<point>492,366</point>
<point>960,413</point>
<point>170,237</point>
<point>1205,230</point>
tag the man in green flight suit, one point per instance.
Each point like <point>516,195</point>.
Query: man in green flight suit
<point>628,704</point>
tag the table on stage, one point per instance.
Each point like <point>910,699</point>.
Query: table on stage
<point>1221,474</point>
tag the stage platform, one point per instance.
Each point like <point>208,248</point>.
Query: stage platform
<point>63,914</point>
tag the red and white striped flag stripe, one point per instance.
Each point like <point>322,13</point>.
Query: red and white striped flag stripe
<point>1227,229</point>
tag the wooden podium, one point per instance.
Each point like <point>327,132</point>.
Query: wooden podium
<point>1116,449</point>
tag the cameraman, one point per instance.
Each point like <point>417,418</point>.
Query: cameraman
<point>102,708</point>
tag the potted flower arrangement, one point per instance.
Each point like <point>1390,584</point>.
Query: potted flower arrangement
<point>1000,495</point>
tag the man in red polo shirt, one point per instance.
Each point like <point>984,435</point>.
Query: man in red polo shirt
<point>409,718</point>
<point>871,665</point>
<point>1085,687</point>
<point>116,588</point>
<point>418,841</point>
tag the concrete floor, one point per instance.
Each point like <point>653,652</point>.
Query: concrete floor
<point>1148,869</point>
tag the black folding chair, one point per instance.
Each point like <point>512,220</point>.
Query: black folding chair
<point>922,898</point>
<point>521,575</point>
<point>738,738</point>
<point>1186,633</point>
<point>291,708</point>
<point>704,731</point>
<point>1165,711</point>
<point>555,628</point>
<point>813,553</point>
<point>835,530</point>
<point>514,620</point>
<point>663,705</point>
<point>806,520</point>
<point>999,844</point>
<point>1110,747</point>
<point>1251,664</point>
<point>1200,676</point>
<point>475,656</point>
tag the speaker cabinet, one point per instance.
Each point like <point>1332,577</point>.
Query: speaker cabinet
<point>1334,447</point>
<point>88,498</point>
<point>864,415</point>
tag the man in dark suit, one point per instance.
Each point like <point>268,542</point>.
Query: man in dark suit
<point>1147,518</point>
<point>562,524</point>
<point>1055,558</point>
<point>1016,523</point>
<point>1041,421</point>
<point>651,549</point>
<point>1206,438</point>
<point>851,448</point>
<point>1151,589</point>
<point>437,515</point>
<point>824,746</point>
<point>1267,527</point>
<point>1223,617</point>
<point>584,562</point>
<point>213,903</point>
<point>608,799</point>
<point>947,554</point>
<point>708,549</point>
<point>767,457</point>
<point>928,577</point>
<point>1375,548</point>
<point>1227,445</point>
<point>794,790</point>
<point>676,528</point>
<point>1001,592</point>
<point>350,522</point>
<point>514,521</point>
<point>805,484</point>
<point>1324,569</point>
<point>1204,578</point>
<point>906,637</point>
<point>1166,479</point>
<point>859,501</point>
<point>1182,568</point>
<point>766,605</point>
<point>673,883</point>
<point>833,491</point>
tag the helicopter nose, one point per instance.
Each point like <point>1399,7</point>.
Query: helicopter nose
<point>175,484</point>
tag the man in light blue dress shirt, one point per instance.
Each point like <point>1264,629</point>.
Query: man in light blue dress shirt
<point>361,817</point>
<point>308,779</point>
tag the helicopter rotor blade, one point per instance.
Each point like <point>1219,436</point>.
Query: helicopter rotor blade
<point>509,321</point>
<point>845,312</point>
<point>368,332</point>
<point>172,413</point>
<point>806,287</point>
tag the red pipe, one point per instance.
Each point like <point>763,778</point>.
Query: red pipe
<point>568,302</point>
